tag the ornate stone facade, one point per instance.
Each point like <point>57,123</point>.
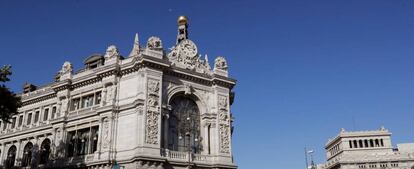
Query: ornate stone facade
<point>153,109</point>
<point>367,149</point>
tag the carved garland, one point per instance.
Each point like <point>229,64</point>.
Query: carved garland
<point>224,126</point>
<point>152,114</point>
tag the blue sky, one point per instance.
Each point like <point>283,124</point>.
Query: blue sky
<point>305,69</point>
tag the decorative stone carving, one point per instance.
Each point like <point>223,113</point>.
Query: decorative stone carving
<point>185,55</point>
<point>110,94</point>
<point>220,63</point>
<point>111,52</point>
<point>59,134</point>
<point>153,112</point>
<point>154,43</point>
<point>222,102</point>
<point>224,138</point>
<point>65,72</point>
<point>224,128</point>
<point>153,87</point>
<point>223,117</point>
<point>188,89</point>
<point>105,133</point>
<point>66,68</point>
<point>64,106</point>
<point>152,127</point>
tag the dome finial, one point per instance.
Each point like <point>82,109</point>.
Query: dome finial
<point>182,20</point>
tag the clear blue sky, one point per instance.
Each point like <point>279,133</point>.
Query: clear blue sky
<point>305,69</point>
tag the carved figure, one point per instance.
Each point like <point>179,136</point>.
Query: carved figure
<point>220,63</point>
<point>153,86</point>
<point>112,52</point>
<point>154,43</point>
<point>106,133</point>
<point>66,68</point>
<point>222,102</point>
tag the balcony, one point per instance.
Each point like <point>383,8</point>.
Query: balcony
<point>184,156</point>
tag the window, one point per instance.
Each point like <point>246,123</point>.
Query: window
<point>46,114</point>
<point>371,143</point>
<point>360,144</point>
<point>20,120</point>
<point>53,112</point>
<point>366,143</point>
<point>87,101</point>
<point>27,155</point>
<point>97,98</point>
<point>4,126</point>
<point>184,125</point>
<point>350,144</point>
<point>29,118</point>
<point>376,143</point>
<point>355,144</point>
<point>11,157</point>
<point>44,151</point>
<point>13,122</point>
<point>382,143</point>
<point>74,104</point>
<point>84,141</point>
<point>36,118</point>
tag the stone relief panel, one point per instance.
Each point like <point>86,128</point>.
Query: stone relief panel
<point>224,124</point>
<point>152,114</point>
<point>110,94</point>
<point>105,133</point>
<point>224,138</point>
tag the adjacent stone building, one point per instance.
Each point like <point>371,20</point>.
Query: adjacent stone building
<point>154,108</point>
<point>367,149</point>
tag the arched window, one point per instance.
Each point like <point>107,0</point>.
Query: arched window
<point>355,144</point>
<point>371,143</point>
<point>27,155</point>
<point>11,157</point>
<point>44,151</point>
<point>184,125</point>
<point>366,143</point>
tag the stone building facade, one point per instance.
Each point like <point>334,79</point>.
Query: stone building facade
<point>155,108</point>
<point>367,150</point>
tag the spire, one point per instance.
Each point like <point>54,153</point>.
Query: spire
<point>182,28</point>
<point>206,62</point>
<point>136,48</point>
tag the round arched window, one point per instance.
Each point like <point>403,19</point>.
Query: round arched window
<point>184,125</point>
<point>11,156</point>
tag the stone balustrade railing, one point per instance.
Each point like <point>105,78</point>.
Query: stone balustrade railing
<point>180,155</point>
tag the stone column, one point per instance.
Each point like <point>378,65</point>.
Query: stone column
<point>3,151</point>
<point>58,107</point>
<point>16,162</point>
<point>42,109</point>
